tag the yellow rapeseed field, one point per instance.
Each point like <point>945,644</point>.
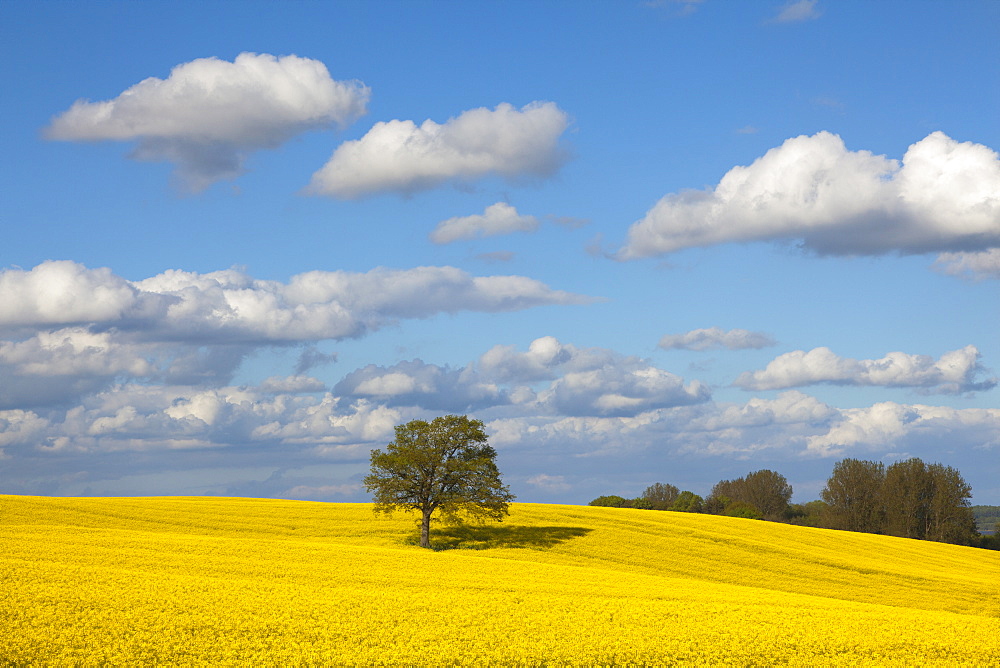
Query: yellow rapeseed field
<point>250,582</point>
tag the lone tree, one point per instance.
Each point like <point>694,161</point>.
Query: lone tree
<point>445,465</point>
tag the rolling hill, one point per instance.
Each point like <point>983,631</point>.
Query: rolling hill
<point>227,581</point>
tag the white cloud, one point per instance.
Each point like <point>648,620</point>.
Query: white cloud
<point>797,11</point>
<point>710,428</point>
<point>715,338</point>
<point>210,113</point>
<point>333,427</point>
<point>623,390</point>
<point>126,418</point>
<point>429,386</point>
<point>551,483</point>
<point>499,218</point>
<point>898,426</point>
<point>787,408</point>
<point>63,293</point>
<point>574,381</point>
<point>956,371</point>
<point>61,365</point>
<point>67,331</point>
<point>260,426</point>
<point>149,419</point>
<point>945,196</point>
<point>20,426</point>
<point>791,428</point>
<point>505,363</point>
<point>399,156</point>
<point>74,351</point>
<point>589,381</point>
<point>291,385</point>
<point>974,266</point>
<point>231,307</point>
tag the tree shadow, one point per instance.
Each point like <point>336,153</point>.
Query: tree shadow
<point>487,537</point>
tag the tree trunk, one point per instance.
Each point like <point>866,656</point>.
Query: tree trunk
<point>425,529</point>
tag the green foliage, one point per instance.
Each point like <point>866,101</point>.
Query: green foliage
<point>741,509</point>
<point>659,496</point>
<point>990,542</point>
<point>766,491</point>
<point>854,496</point>
<point>808,514</point>
<point>987,517</point>
<point>611,501</point>
<point>909,498</point>
<point>688,502</point>
<point>444,466</point>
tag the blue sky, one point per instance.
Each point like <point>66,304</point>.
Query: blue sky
<point>642,241</point>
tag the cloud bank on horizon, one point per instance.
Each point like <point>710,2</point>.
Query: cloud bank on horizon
<point>792,318</point>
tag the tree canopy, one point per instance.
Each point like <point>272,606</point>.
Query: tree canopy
<point>660,496</point>
<point>444,466</point>
<point>854,494</point>
<point>909,498</point>
<point>761,494</point>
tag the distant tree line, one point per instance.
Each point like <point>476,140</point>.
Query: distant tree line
<point>987,518</point>
<point>909,499</point>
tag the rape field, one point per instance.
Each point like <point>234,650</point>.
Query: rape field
<point>196,581</point>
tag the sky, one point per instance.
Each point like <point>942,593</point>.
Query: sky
<point>670,241</point>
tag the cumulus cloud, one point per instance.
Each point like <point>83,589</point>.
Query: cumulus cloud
<point>895,426</point>
<point>415,383</point>
<point>74,351</point>
<point>506,364</point>
<point>311,358</point>
<point>797,11</point>
<point>64,292</point>
<point>957,371</point>
<point>67,331</point>
<point>972,266</point>
<point>400,156</point>
<point>589,381</point>
<point>499,218</point>
<point>291,385</point>
<point>551,483</point>
<point>139,418</point>
<point>714,338</point>
<point>250,426</point>
<point>709,428</point>
<point>944,196</point>
<point>549,378</point>
<point>209,114</point>
<point>793,427</point>
<point>20,426</point>
<point>231,306</point>
<point>59,366</point>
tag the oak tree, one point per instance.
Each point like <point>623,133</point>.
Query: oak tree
<point>444,466</point>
